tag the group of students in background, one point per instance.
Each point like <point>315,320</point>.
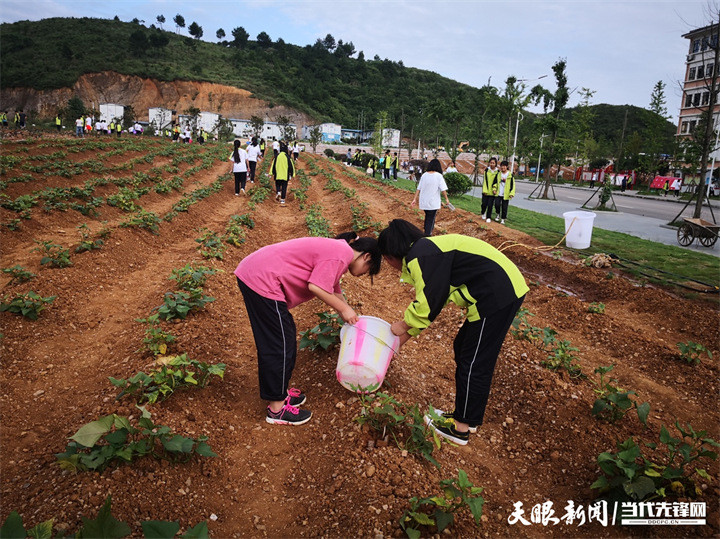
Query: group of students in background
<point>19,119</point>
<point>282,169</point>
<point>498,189</point>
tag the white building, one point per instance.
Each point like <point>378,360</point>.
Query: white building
<point>111,111</point>
<point>208,121</point>
<point>241,128</point>
<point>330,132</point>
<point>160,118</point>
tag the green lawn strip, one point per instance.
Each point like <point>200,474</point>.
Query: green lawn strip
<point>549,229</point>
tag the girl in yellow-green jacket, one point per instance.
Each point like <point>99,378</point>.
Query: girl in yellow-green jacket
<point>488,197</point>
<point>474,275</point>
<point>504,190</point>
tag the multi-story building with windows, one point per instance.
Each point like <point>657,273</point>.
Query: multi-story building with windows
<point>699,70</point>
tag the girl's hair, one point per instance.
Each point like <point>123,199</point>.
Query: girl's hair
<point>504,163</point>
<point>364,245</point>
<point>236,154</point>
<point>435,166</point>
<point>254,141</point>
<point>493,159</point>
<point>398,237</point>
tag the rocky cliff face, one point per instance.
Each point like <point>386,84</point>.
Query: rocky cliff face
<point>142,94</point>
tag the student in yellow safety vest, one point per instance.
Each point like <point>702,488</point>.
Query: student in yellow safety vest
<point>505,186</point>
<point>58,122</point>
<point>282,170</point>
<point>488,198</point>
<point>201,136</point>
<point>386,165</point>
<point>118,128</point>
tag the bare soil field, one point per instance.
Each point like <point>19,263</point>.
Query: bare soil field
<point>331,477</point>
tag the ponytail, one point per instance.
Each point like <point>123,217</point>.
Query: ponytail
<point>236,153</point>
<point>363,244</point>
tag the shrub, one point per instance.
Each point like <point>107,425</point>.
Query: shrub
<point>458,184</point>
<point>329,153</point>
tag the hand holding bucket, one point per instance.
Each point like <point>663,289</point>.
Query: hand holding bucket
<point>365,352</point>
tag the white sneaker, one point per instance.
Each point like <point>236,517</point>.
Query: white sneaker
<point>502,221</point>
<point>277,197</point>
<point>497,218</point>
<point>488,220</point>
<point>237,194</point>
<point>282,202</point>
<point>242,191</point>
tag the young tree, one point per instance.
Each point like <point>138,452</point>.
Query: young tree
<point>287,131</point>
<point>195,30</point>
<point>582,126</point>
<point>194,114</point>
<point>160,19</point>
<point>256,125</point>
<point>179,21</point>
<point>514,100</point>
<point>552,123</point>
<point>240,37</point>
<point>315,137</point>
<point>650,163</point>
<point>220,34</point>
<point>376,141</point>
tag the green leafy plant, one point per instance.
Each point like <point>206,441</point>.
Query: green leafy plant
<point>562,357</point>
<point>596,308</point>
<point>179,304</point>
<point>143,219</point>
<point>234,233</point>
<point>405,424</point>
<point>55,255</point>
<point>557,255</point>
<point>628,475</point>
<point>28,305</point>
<point>86,243</point>
<point>190,276</point>
<point>439,511</point>
<point>324,335</point>
<point>113,438</point>
<point>13,224</point>
<point>18,274</point>
<point>175,373</point>
<point>105,525</point>
<point>156,338</point>
<point>210,244</point>
<point>317,225</point>
<point>690,352</point>
<point>520,324</point>
<point>613,402</point>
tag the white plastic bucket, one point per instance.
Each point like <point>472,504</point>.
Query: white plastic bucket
<point>366,349</point>
<point>581,232</point>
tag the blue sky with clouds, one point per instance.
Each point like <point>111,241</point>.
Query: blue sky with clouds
<point>619,49</point>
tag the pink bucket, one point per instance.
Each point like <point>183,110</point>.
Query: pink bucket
<point>366,349</point>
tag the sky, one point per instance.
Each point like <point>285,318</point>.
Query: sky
<point>618,49</point>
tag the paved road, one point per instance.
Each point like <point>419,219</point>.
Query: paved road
<point>636,216</point>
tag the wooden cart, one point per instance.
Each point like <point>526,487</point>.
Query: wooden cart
<point>705,232</point>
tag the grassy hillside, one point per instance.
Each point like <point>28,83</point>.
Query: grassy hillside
<point>330,86</point>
